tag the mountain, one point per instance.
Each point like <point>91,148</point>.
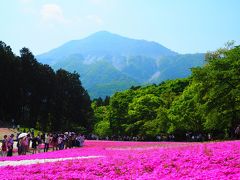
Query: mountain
<point>108,62</point>
<point>104,45</point>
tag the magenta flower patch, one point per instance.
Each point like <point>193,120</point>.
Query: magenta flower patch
<point>131,160</point>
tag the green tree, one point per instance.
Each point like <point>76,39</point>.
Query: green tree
<point>118,112</point>
<point>186,113</point>
<point>221,81</point>
<point>142,110</point>
<point>72,103</point>
<point>10,84</point>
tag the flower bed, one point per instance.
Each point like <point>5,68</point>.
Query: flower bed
<point>135,160</point>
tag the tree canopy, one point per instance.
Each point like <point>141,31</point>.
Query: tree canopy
<point>35,96</point>
<point>206,102</point>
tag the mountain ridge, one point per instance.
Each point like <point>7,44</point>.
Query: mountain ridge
<point>105,42</point>
<point>129,62</point>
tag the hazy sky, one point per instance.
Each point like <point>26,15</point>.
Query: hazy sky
<point>185,26</point>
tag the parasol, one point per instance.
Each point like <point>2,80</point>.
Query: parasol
<point>22,135</point>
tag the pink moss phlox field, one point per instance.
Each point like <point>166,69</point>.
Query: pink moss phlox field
<point>135,160</point>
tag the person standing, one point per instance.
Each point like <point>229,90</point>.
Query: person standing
<point>60,142</point>
<point>19,146</point>
<point>46,143</point>
<point>39,142</point>
<point>24,144</point>
<point>237,132</point>
<point>82,138</point>
<point>54,141</point>
<point>10,145</point>
<point>4,146</point>
<point>34,144</point>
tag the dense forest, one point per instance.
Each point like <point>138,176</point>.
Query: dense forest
<point>34,95</point>
<point>206,102</point>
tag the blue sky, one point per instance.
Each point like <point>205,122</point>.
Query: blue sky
<point>184,26</point>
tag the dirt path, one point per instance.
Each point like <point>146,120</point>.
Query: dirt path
<point>37,161</point>
<point>8,132</point>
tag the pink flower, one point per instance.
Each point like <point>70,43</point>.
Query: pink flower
<point>133,160</point>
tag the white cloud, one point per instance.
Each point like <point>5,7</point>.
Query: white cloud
<point>52,13</point>
<point>95,19</point>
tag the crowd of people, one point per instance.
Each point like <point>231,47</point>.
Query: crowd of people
<point>28,143</point>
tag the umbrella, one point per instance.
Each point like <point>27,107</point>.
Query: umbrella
<point>22,135</point>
